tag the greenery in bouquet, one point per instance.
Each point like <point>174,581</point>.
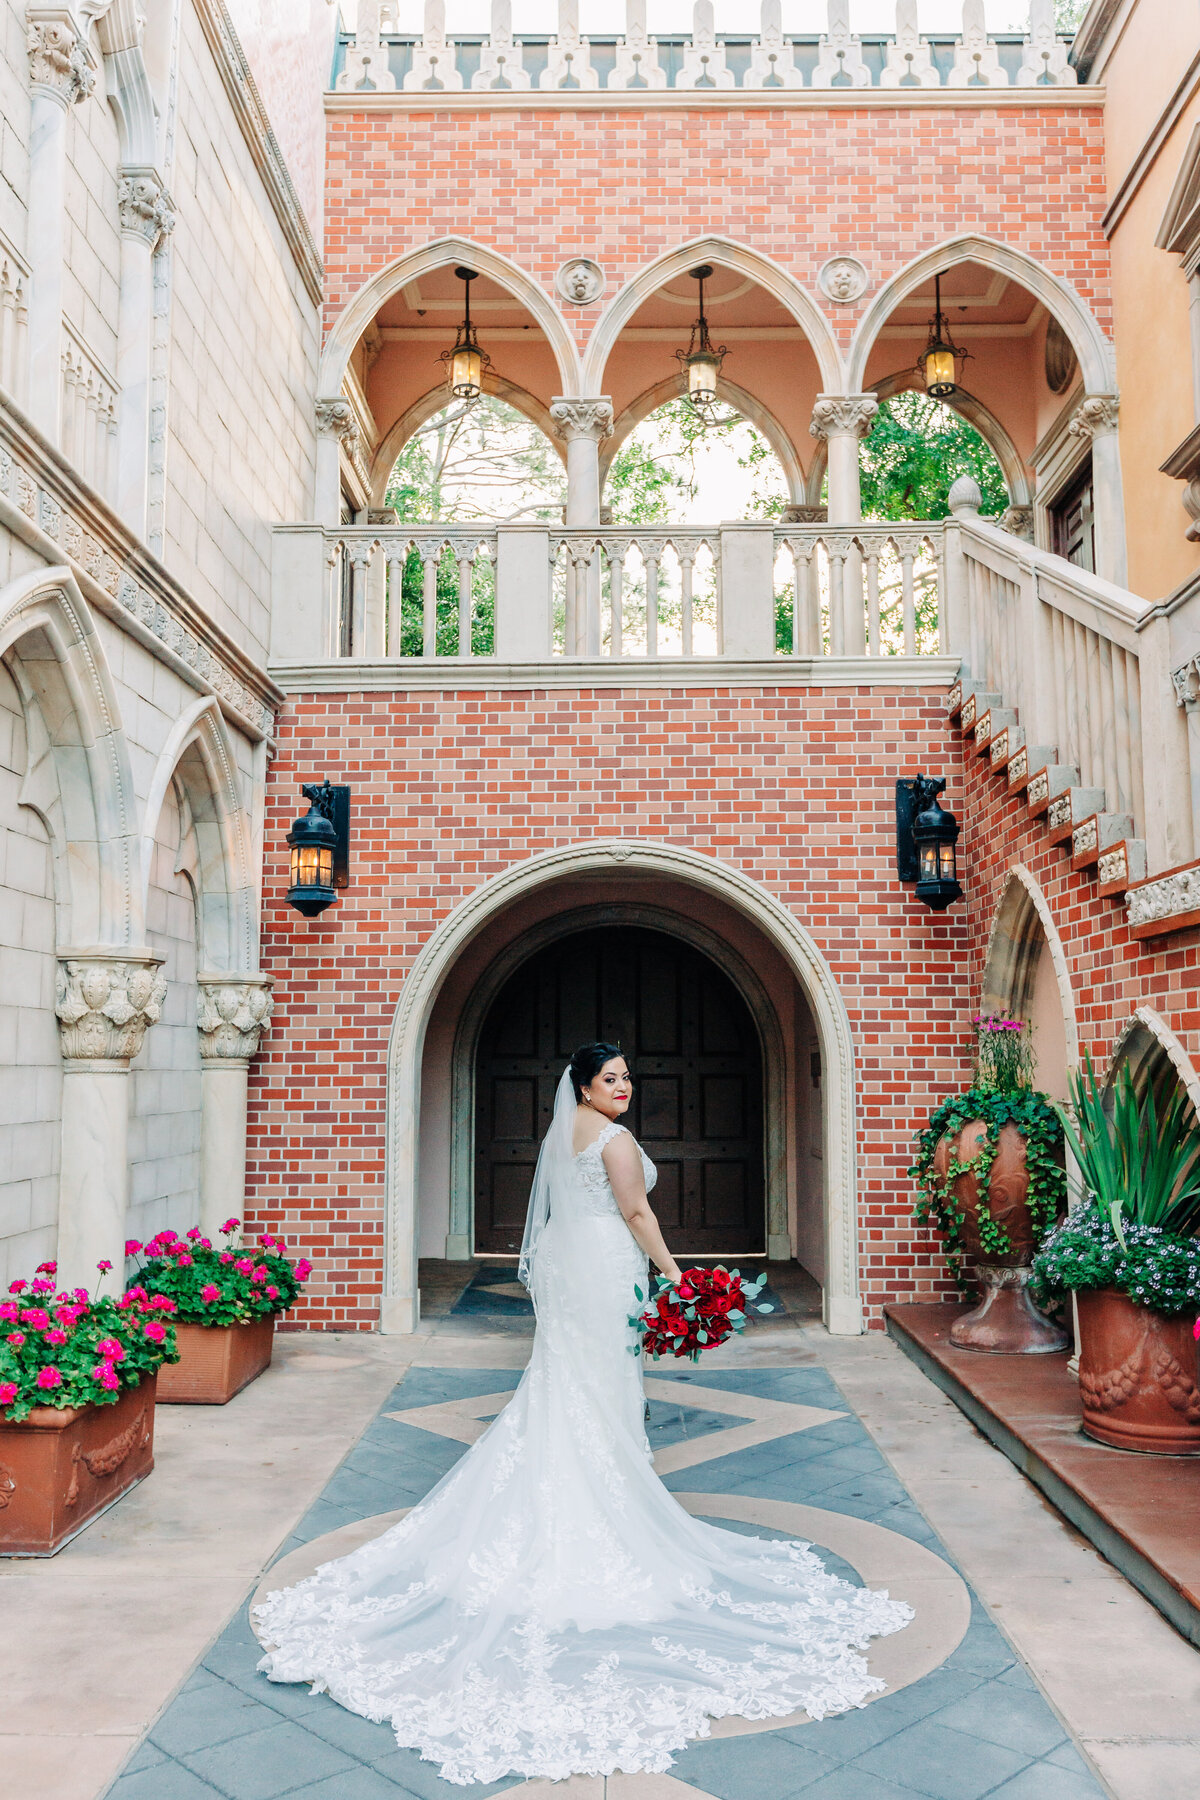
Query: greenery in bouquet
<point>61,1348</point>
<point>695,1313</point>
<point>229,1285</point>
<point>1000,1094</point>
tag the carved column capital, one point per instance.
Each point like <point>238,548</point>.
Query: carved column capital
<point>232,1013</point>
<point>335,418</point>
<point>59,65</point>
<point>591,419</point>
<point>1095,413</point>
<point>105,1001</point>
<point>145,205</point>
<point>843,415</point>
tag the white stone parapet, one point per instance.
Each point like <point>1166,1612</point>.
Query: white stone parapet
<point>703,59</point>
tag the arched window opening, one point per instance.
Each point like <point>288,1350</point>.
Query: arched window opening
<point>1157,1064</point>
<point>468,464</point>
<point>915,451</point>
<point>686,473</point>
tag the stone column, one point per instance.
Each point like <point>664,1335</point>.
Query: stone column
<point>232,1012</point>
<point>105,1000</point>
<point>60,74</point>
<point>335,426</point>
<point>843,420</point>
<point>583,424</point>
<point>146,218</point>
<point>1096,418</point>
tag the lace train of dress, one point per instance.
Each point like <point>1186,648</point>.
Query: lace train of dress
<point>549,1609</point>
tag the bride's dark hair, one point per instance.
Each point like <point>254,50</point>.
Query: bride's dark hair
<point>587,1063</point>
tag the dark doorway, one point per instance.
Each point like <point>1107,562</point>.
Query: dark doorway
<point>698,1083</point>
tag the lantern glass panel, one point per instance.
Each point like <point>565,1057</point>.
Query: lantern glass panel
<point>940,371</point>
<point>928,861</point>
<point>702,379</point>
<point>466,373</point>
<point>312,865</point>
<point>946,862</point>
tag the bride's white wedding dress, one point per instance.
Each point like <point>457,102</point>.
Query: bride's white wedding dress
<point>549,1609</point>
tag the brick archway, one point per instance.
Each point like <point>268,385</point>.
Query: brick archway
<point>399,1308</point>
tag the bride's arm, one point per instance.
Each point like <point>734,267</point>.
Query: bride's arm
<point>624,1167</point>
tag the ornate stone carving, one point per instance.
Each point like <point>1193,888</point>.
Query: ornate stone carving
<point>1095,413</point>
<point>145,206</point>
<point>232,1012</point>
<point>1085,838</point>
<point>104,1005</point>
<point>1186,682</point>
<point>58,60</point>
<point>965,495</point>
<point>335,417</point>
<point>1045,61</point>
<point>1039,787</point>
<point>772,58</point>
<point>843,279</point>
<point>977,63</point>
<point>909,63</point>
<point>500,61</point>
<point>1058,813</point>
<point>366,64</point>
<point>840,62</point>
<point>804,515</point>
<point>1166,898</point>
<point>1018,520</point>
<point>843,415</point>
<point>582,418</point>
<point>704,59</point>
<point>580,282</point>
<point>1112,865</point>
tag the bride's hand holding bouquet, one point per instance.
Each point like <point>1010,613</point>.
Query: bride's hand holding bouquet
<point>696,1312</point>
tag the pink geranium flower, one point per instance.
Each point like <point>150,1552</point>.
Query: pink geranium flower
<point>184,1262</point>
<point>243,1265</point>
<point>111,1350</point>
<point>104,1267</point>
<point>272,1293</point>
<point>35,1316</point>
<point>16,1339</point>
<point>155,1331</point>
<point>230,1225</point>
<point>10,1311</point>
<point>132,1247</point>
<point>194,1233</point>
<point>303,1269</point>
<point>16,1287</point>
<point>42,1287</point>
<point>106,1375</point>
<point>49,1377</point>
<point>210,1292</point>
<point>47,1268</point>
<point>8,1392</point>
<point>226,1256</point>
<point>56,1338</point>
<point>259,1274</point>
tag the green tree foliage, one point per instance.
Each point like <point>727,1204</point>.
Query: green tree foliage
<point>915,452</point>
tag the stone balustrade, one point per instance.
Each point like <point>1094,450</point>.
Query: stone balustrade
<point>380,57</point>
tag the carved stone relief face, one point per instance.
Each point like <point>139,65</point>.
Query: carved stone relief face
<point>580,282</point>
<point>842,279</point>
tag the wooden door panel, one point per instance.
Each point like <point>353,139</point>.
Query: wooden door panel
<point>697,1109</point>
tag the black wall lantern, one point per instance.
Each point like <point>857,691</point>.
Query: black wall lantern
<point>926,836</point>
<point>466,362</point>
<point>320,845</point>
<point>701,361</point>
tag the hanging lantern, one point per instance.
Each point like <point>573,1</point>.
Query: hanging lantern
<point>935,835</point>
<point>314,844</point>
<point>938,362</point>
<point>466,362</point>
<point>700,361</point>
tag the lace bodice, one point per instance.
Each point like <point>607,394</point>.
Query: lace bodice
<point>592,1186</point>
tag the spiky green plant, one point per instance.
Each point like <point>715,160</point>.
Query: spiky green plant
<point>1140,1162</point>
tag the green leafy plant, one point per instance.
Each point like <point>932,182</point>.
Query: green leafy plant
<point>70,1349</point>
<point>1156,1268</point>
<point>229,1286</point>
<point>1139,1157</point>
<point>1001,1094</point>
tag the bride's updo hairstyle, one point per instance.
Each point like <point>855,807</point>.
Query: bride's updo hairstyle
<point>587,1063</point>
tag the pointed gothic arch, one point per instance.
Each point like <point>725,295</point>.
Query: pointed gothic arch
<point>1095,353</point>
<point>410,421</point>
<point>1149,1047</point>
<point>78,779</point>
<point>1021,925</point>
<point>199,759</point>
<point>707,874</point>
<point>358,312</point>
<point>758,268</point>
<point>752,409</point>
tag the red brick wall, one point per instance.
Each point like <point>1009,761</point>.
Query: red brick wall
<point>797,185</point>
<point>794,787</point>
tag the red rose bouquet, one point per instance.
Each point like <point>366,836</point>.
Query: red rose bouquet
<point>697,1312</point>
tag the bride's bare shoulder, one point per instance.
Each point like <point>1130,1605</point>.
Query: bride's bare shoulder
<point>587,1128</point>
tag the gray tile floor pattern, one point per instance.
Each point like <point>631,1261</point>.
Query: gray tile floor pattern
<point>975,1727</point>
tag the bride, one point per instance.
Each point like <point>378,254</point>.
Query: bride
<point>549,1609</point>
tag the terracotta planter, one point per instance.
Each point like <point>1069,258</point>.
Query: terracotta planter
<point>61,1467</point>
<point>1137,1376</point>
<point>215,1362</point>
<point>1006,1322</point>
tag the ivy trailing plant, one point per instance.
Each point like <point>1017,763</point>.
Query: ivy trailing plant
<point>1000,1094</point>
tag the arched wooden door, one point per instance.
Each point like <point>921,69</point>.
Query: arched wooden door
<point>697,1108</point>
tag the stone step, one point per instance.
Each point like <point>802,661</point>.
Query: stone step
<point>1047,783</point>
<point>988,724</point>
<point>1096,834</point>
<point>1070,808</point>
<point>1028,760</point>
<point>974,705</point>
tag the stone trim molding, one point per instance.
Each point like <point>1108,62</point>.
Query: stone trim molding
<point>104,1001</point>
<point>255,125</point>
<point>1165,903</point>
<point>44,501</point>
<point>725,99</point>
<point>1147,1023</point>
<point>548,931</point>
<point>399,1305</point>
<point>232,1014</point>
<point>473,674</point>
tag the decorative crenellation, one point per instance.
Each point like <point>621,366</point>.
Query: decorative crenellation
<point>706,59</point>
<point>843,415</point>
<point>232,1013</point>
<point>105,1003</point>
<point>145,206</point>
<point>583,418</point>
<point>59,64</point>
<point>105,557</point>
<point>1095,413</point>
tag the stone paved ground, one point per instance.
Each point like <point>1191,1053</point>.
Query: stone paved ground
<point>975,1725</point>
